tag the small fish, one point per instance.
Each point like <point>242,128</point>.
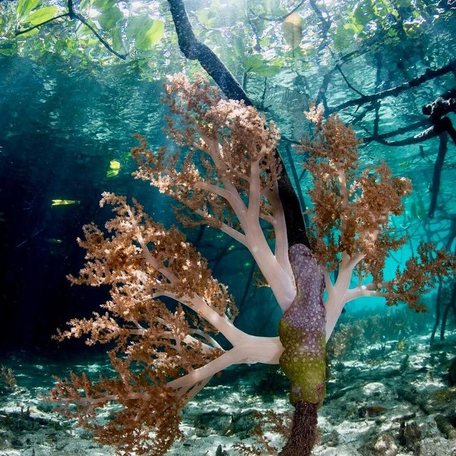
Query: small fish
<point>54,241</point>
<point>64,202</point>
<point>114,168</point>
<point>373,410</point>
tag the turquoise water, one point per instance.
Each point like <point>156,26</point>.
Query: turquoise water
<point>69,108</point>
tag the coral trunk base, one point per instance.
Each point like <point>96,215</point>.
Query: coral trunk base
<point>303,431</point>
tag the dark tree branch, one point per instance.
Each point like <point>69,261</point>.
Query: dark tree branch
<point>321,96</point>
<point>247,286</point>
<point>421,137</point>
<point>378,80</point>
<point>256,34</point>
<point>426,76</point>
<point>278,18</point>
<point>435,186</point>
<point>438,311</point>
<point>325,24</point>
<point>441,126</point>
<point>450,305</point>
<point>382,137</point>
<point>22,31</point>
<point>71,11</point>
<point>359,117</point>
<point>72,14</point>
<point>195,50</point>
<point>444,124</point>
<point>102,41</point>
<point>327,77</point>
<point>339,69</point>
<point>452,235</point>
<point>293,209</point>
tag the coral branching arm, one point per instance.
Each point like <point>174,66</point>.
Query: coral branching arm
<point>352,235</point>
<point>164,304</point>
<point>417,278</point>
<point>228,179</point>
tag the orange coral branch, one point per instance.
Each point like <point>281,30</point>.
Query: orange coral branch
<point>235,181</point>
<point>351,214</point>
<point>159,348</point>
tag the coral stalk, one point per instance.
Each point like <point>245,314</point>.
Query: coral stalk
<point>302,333</point>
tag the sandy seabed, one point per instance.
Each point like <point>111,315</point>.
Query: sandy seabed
<point>389,400</point>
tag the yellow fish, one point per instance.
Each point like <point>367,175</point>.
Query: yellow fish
<point>64,202</point>
<point>114,168</point>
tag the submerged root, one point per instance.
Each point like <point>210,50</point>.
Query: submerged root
<point>303,432</point>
